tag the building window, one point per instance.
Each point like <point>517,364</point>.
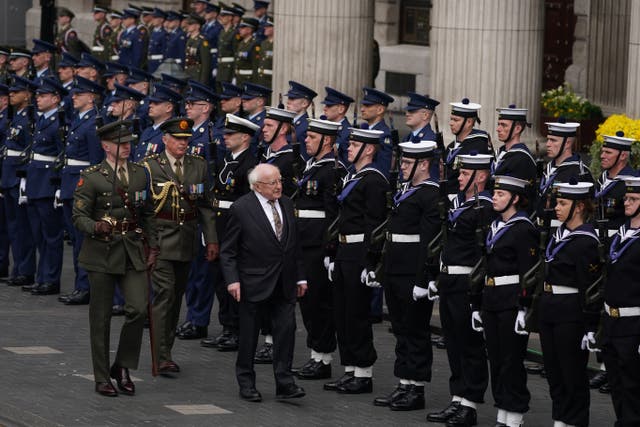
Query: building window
<point>414,22</point>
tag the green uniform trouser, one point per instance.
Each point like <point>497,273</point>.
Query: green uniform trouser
<point>133,285</point>
<point>169,282</point>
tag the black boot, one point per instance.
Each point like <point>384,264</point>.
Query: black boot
<point>465,417</point>
<point>397,392</point>
<point>357,385</point>
<point>445,414</point>
<point>317,371</point>
<point>598,380</point>
<point>412,400</point>
<point>333,385</point>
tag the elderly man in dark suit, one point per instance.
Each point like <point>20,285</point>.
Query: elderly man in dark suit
<point>262,266</point>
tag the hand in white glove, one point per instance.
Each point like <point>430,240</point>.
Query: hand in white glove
<point>214,73</point>
<point>363,276</point>
<point>22,194</point>
<point>639,349</point>
<point>370,279</point>
<point>419,293</point>
<point>476,321</point>
<point>432,291</point>
<point>589,342</point>
<point>57,203</point>
<point>330,269</point>
<point>520,322</point>
<point>326,262</point>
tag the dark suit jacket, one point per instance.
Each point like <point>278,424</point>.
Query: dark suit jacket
<point>252,255</point>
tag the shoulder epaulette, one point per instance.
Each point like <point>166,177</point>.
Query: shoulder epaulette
<point>195,156</point>
<point>90,169</point>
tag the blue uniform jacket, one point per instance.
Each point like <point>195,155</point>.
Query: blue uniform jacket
<point>343,142</point>
<point>259,120</point>
<point>157,46</point>
<point>131,48</point>
<point>150,143</point>
<point>18,139</point>
<point>46,142</point>
<point>383,158</point>
<point>176,45</point>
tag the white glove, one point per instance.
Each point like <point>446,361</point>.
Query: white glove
<point>214,73</point>
<point>519,326</point>
<point>476,321</point>
<point>363,276</point>
<point>589,342</point>
<point>330,268</point>
<point>57,203</point>
<point>370,279</point>
<point>639,349</point>
<point>327,262</point>
<point>432,291</point>
<point>22,195</point>
<point>419,293</point>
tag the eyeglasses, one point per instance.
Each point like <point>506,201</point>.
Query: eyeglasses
<point>628,199</point>
<point>271,183</point>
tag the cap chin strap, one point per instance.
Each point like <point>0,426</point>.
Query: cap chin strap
<point>466,187</point>
<point>508,204</point>
<point>564,142</point>
<point>360,151</point>
<point>461,127</point>
<point>319,147</point>
<point>616,162</point>
<point>413,171</point>
<point>513,124</point>
<point>635,214</point>
<point>571,211</point>
<point>275,134</point>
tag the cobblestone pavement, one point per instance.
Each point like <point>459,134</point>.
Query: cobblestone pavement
<point>46,380</point>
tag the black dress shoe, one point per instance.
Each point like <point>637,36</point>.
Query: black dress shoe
<point>264,355</point>
<point>289,391</point>
<point>193,332</point>
<point>20,281</point>
<point>117,310</point>
<point>307,365</point>
<point>605,388</point>
<point>230,344</point>
<point>445,414</point>
<point>250,395</point>
<point>533,368</point>
<point>440,343</point>
<point>168,367</point>
<point>317,371</point>
<point>77,297</point>
<point>183,327</point>
<point>412,400</point>
<point>123,380</point>
<point>213,342</point>
<point>395,394</point>
<point>106,389</point>
<point>465,417</point>
<point>46,289</point>
<point>333,385</point>
<point>598,380</point>
<point>29,288</point>
<point>358,385</point>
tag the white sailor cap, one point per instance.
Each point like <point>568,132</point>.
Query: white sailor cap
<point>562,128</point>
<point>632,184</point>
<point>325,127</point>
<point>465,108</point>
<point>280,114</point>
<point>234,124</point>
<point>573,189</point>
<point>618,142</point>
<point>509,183</point>
<point>474,161</point>
<point>367,136</point>
<point>418,150</point>
<point>512,113</point>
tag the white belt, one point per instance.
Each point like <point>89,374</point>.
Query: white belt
<point>559,290</point>
<point>97,48</point>
<point>245,72</point>
<point>214,50</point>
<point>74,162</point>
<point>455,269</point>
<point>403,238</point>
<point>266,72</point>
<point>502,280</point>
<point>225,59</point>
<point>222,204</point>
<point>555,223</point>
<point>156,57</point>
<point>13,153</point>
<point>309,213</point>
<point>621,311</point>
<point>115,57</point>
<point>351,238</point>
<point>42,158</point>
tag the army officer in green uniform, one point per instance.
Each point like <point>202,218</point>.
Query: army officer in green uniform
<point>112,208</point>
<point>180,194</point>
<point>197,61</point>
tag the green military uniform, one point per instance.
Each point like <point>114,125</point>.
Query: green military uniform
<point>226,57</point>
<point>144,35</point>
<point>113,42</point>
<point>67,41</point>
<point>102,39</point>
<point>246,60</point>
<point>197,62</point>
<point>181,202</point>
<point>264,64</point>
<point>118,257</point>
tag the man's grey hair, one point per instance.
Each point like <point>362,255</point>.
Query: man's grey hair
<point>257,173</point>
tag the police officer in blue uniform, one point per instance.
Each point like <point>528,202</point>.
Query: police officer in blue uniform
<point>374,107</point>
<point>114,73</point>
<point>419,111</point>
<point>45,216</point>
<point>90,67</point>
<point>260,9</point>
<point>200,291</point>
<point>299,99</point>
<point>4,234</point>
<point>230,103</point>
<point>18,145</point>
<point>42,57</point>
<point>66,76</point>
<point>82,150</point>
<point>131,44</point>
<point>162,107</point>
<point>124,102</point>
<point>336,105</point>
<point>254,99</point>
<point>176,39</point>
<point>141,81</point>
<point>157,40</point>
<point>211,30</point>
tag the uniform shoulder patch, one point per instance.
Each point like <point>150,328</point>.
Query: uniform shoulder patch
<point>107,31</point>
<point>72,34</point>
<point>80,182</point>
<point>143,30</point>
<point>257,48</point>
<point>205,43</point>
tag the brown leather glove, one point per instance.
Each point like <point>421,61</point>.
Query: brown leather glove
<point>102,228</point>
<point>151,259</point>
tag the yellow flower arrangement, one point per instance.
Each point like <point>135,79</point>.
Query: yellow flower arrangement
<point>563,102</point>
<point>613,124</point>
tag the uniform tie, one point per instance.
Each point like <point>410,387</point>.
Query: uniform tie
<point>122,175</point>
<point>179,171</point>
<point>276,219</point>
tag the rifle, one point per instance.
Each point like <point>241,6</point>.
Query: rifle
<point>62,134</point>
<point>594,294</point>
<point>437,243</point>
<point>213,151</point>
<point>331,234</point>
<point>394,172</point>
<point>25,153</point>
<point>479,271</point>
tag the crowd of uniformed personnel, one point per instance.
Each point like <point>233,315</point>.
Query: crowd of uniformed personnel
<point>140,172</point>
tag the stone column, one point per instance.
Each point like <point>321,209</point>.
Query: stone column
<point>323,43</point>
<point>633,83</point>
<point>489,51</point>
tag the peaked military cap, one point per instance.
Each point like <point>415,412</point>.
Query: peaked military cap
<point>200,92</point>
<point>250,22</point>
<point>113,68</point>
<point>4,90</point>
<point>68,60</point>
<point>90,61</point>
<point>82,85</point>
<point>261,4</point>
<point>335,97</point>
<point>119,132</point>
<point>179,127</point>
<point>115,14</point>
<point>172,15</point>
<point>51,85</point>
<point>159,13</point>
<point>136,75</point>
<point>40,46</point>
<point>19,52</point>
<point>20,84</point>
<point>225,9</point>
<point>173,82</point>
<point>230,91</point>
<point>238,9</point>
<point>373,96</point>
<point>298,90</point>
<point>252,90</point>
<point>163,93</point>
<point>235,124</point>
<point>4,50</point>
<point>418,102</point>
<point>125,92</point>
<point>130,13</point>
<point>195,19</point>
<point>98,9</point>
<point>63,11</point>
